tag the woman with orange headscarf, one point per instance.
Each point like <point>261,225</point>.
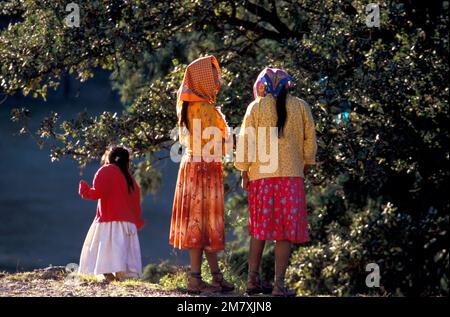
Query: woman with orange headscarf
<point>198,208</point>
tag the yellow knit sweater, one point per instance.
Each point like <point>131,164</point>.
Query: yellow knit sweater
<point>296,147</point>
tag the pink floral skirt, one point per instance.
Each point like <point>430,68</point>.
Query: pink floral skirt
<point>278,209</point>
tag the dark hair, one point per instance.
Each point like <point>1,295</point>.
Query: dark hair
<point>281,110</point>
<point>184,117</point>
<point>120,157</point>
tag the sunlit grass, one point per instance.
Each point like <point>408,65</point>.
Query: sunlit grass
<point>137,283</point>
<point>90,279</point>
<point>23,277</point>
<point>174,281</point>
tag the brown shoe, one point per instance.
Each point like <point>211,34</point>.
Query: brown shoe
<point>109,277</point>
<point>221,283</point>
<point>120,276</point>
<point>197,286</point>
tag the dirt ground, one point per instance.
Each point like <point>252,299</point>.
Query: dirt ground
<point>55,282</point>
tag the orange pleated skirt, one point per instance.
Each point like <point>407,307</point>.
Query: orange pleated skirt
<point>198,206</point>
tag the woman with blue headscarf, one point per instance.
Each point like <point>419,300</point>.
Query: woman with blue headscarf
<point>277,203</point>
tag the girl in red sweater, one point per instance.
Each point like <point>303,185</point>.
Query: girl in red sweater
<point>112,246</point>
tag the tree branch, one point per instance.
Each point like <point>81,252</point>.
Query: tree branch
<point>268,16</point>
<point>252,26</point>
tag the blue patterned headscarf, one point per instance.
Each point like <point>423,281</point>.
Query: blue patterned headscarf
<point>270,81</point>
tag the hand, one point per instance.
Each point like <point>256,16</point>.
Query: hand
<point>83,187</point>
<point>244,182</point>
<point>140,224</point>
<point>306,169</point>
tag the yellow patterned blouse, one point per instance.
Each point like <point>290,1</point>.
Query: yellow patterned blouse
<point>207,131</point>
<point>296,148</point>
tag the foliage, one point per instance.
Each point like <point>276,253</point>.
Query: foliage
<point>154,272</point>
<point>379,97</point>
<point>377,235</point>
<point>174,281</point>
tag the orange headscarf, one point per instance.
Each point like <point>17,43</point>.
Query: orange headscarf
<point>200,82</point>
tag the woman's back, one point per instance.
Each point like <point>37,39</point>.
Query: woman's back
<point>202,115</point>
<point>296,146</point>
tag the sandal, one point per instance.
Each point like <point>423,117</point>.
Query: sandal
<point>222,284</point>
<point>197,286</point>
<point>280,290</point>
<point>255,286</point>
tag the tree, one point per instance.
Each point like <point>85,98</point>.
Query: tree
<point>379,97</point>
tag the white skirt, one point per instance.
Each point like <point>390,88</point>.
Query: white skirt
<point>111,247</point>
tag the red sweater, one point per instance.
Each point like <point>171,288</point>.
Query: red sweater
<point>114,202</point>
